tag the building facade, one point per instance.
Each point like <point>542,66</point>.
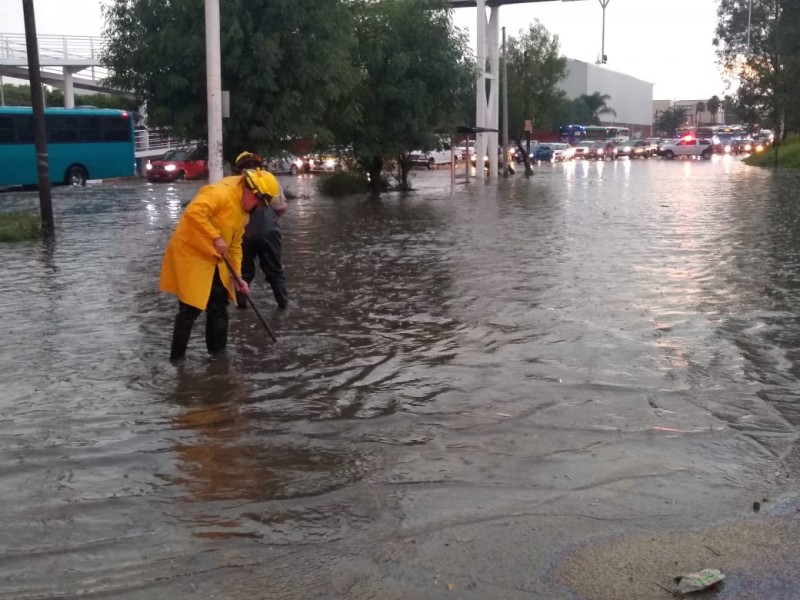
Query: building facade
<point>631,98</point>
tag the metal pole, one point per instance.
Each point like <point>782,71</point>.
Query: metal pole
<point>749,20</point>
<point>603,3</point>
<point>214,90</point>
<point>2,92</point>
<point>39,129</point>
<point>505,107</point>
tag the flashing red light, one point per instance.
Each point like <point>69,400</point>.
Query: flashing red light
<point>688,137</point>
<point>124,114</point>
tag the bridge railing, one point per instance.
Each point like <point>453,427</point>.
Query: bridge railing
<point>56,50</point>
<point>153,140</point>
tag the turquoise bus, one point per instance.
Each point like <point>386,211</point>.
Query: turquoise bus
<point>82,143</point>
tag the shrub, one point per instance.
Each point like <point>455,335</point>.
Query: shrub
<point>344,183</point>
<point>19,226</point>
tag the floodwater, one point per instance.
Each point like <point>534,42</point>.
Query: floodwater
<point>469,384</point>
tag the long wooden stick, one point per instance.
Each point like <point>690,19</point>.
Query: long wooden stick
<point>239,281</point>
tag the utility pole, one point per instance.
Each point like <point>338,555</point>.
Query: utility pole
<point>504,141</point>
<point>603,57</point>
<point>214,90</point>
<point>39,127</point>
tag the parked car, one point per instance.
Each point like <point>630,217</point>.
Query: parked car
<point>189,162</point>
<point>635,149</point>
<point>687,147</point>
<point>430,158</point>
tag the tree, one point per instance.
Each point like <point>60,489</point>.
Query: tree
<point>413,75</point>
<point>597,105</point>
<point>763,57</point>
<point>282,64</point>
<point>699,109</point>
<point>535,68</point>
<point>713,105</point>
<point>670,120</point>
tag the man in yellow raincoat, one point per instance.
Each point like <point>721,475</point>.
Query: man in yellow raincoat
<point>211,227</point>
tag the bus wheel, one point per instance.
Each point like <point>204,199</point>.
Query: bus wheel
<point>76,176</point>
<point>181,176</point>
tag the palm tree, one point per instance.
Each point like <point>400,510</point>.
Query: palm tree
<point>597,104</point>
<point>713,105</point>
<point>699,109</point>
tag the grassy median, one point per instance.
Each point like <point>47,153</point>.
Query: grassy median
<point>19,226</point>
<point>788,155</point>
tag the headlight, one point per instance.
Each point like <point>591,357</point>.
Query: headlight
<point>626,149</point>
<point>760,148</point>
<point>747,147</point>
<point>330,163</point>
<point>298,163</point>
<point>148,166</point>
<point>727,149</point>
<point>170,168</point>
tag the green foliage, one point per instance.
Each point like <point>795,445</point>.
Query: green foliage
<point>768,67</point>
<point>283,64</point>
<point>594,105</point>
<point>20,95</point>
<point>670,119</point>
<point>412,75</point>
<point>535,68</point>
<point>19,226</point>
<point>713,105</point>
<point>788,155</point>
<point>344,183</point>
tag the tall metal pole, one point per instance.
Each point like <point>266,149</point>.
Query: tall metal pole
<point>39,129</point>
<point>505,107</point>
<point>214,90</point>
<point>603,3</point>
<point>749,20</point>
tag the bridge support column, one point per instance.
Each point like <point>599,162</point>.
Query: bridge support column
<point>487,90</point>
<point>69,88</point>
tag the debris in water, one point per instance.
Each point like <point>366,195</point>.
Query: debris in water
<point>699,581</point>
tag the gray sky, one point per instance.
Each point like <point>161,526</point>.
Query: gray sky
<point>666,42</point>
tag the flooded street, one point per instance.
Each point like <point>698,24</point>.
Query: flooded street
<point>476,391</point>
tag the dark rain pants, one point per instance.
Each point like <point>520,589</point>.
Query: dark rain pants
<point>267,248</point>
<point>216,322</point>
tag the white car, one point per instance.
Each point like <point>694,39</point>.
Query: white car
<point>461,151</point>
<point>562,151</point>
<point>687,147</point>
<point>431,158</point>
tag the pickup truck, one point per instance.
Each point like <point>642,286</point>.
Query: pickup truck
<point>684,147</point>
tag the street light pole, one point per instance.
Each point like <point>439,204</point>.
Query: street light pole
<point>749,19</point>
<point>603,56</point>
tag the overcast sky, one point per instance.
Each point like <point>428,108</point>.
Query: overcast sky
<point>666,42</point>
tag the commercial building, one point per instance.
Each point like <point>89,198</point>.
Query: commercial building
<point>631,98</point>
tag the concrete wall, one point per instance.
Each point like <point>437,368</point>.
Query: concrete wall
<point>632,98</point>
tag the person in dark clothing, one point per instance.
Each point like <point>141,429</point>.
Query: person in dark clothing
<point>262,240</point>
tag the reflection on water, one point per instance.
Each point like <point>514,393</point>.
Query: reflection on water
<point>441,346</point>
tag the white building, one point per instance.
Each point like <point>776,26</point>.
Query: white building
<point>631,98</point>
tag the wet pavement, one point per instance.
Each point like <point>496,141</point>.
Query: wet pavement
<point>572,386</point>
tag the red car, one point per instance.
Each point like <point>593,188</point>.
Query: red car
<point>190,162</point>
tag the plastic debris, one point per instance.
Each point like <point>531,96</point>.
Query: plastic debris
<point>699,581</point>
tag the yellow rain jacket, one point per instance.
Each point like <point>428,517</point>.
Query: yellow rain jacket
<point>187,269</point>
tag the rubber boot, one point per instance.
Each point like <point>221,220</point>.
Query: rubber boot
<point>281,295</point>
<point>216,331</point>
<point>180,337</point>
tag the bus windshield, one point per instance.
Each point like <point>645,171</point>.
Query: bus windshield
<point>82,144</point>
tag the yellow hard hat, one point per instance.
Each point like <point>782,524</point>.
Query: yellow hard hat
<point>264,184</point>
<point>247,160</point>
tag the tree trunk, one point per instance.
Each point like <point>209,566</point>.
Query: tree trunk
<point>525,156</point>
<point>405,168</point>
<point>374,170</point>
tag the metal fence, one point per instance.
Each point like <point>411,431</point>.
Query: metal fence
<point>55,51</point>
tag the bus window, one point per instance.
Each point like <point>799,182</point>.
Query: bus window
<point>81,144</point>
